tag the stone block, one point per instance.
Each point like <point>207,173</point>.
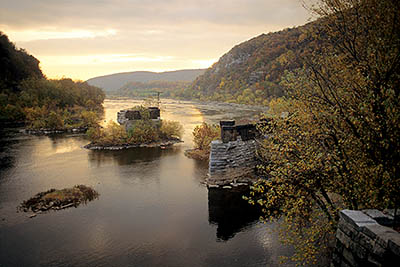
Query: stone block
<point>349,258</point>
<point>377,251</point>
<point>347,228</point>
<point>372,261</point>
<point>359,251</point>
<point>380,233</point>
<point>394,245</point>
<point>391,212</point>
<point>344,239</point>
<point>380,217</point>
<point>356,218</point>
<point>364,240</point>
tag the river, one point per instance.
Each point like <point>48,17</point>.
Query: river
<point>153,208</point>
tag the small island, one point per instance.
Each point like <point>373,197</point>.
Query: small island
<point>55,199</point>
<point>137,127</point>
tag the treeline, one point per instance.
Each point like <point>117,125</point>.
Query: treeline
<point>27,96</point>
<point>168,89</point>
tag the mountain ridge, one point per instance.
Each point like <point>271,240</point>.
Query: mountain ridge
<point>251,72</point>
<point>113,82</point>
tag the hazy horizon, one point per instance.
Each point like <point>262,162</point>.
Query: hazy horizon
<point>82,40</point>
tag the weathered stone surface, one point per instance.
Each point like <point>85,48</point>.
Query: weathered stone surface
<point>356,218</point>
<point>349,257</point>
<point>380,233</point>
<point>394,244</point>
<point>379,217</point>
<point>361,241</point>
<point>347,228</point>
<point>232,161</point>
<point>343,238</point>
<point>373,261</point>
<point>392,212</point>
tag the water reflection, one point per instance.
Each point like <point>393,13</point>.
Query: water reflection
<point>152,210</point>
<point>229,212</point>
<point>129,156</point>
<point>7,142</point>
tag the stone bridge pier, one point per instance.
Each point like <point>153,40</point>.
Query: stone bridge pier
<point>233,158</point>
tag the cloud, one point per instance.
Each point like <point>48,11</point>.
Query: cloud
<point>191,30</point>
<point>118,13</point>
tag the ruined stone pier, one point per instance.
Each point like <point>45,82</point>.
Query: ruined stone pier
<point>233,158</point>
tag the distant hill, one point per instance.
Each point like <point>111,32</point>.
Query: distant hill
<point>251,72</point>
<point>115,81</point>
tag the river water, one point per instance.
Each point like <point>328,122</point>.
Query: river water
<point>153,209</point>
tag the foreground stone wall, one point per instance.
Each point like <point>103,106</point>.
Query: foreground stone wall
<point>232,162</point>
<point>362,239</point>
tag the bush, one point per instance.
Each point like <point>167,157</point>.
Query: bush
<point>143,131</point>
<point>171,129</point>
<point>89,118</point>
<point>113,134</point>
<point>55,121</point>
<point>204,134</point>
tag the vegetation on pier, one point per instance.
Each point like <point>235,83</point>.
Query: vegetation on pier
<point>143,131</point>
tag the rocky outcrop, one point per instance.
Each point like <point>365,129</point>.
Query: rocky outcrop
<point>54,199</point>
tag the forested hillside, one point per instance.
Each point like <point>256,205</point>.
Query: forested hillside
<point>149,89</point>
<point>252,71</point>
<point>27,96</point>
<point>113,82</point>
<point>16,65</point>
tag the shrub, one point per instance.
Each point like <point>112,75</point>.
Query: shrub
<point>89,118</point>
<point>143,131</point>
<point>204,134</point>
<point>54,121</point>
<point>171,129</point>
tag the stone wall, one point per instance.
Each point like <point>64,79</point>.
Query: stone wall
<point>363,238</point>
<point>232,162</point>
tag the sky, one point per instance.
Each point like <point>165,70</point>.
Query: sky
<point>81,39</point>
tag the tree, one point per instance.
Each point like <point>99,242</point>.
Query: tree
<point>339,145</point>
<point>204,134</point>
<point>171,129</point>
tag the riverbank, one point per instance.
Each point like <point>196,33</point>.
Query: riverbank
<point>161,144</point>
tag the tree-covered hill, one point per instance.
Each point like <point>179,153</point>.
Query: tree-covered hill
<point>27,96</point>
<point>16,65</point>
<point>113,82</point>
<point>251,72</point>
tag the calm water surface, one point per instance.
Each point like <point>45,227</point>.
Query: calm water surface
<point>153,209</point>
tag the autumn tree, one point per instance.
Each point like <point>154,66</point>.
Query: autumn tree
<point>338,146</point>
<point>203,135</point>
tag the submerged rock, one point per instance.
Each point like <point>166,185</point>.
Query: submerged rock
<point>54,199</point>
